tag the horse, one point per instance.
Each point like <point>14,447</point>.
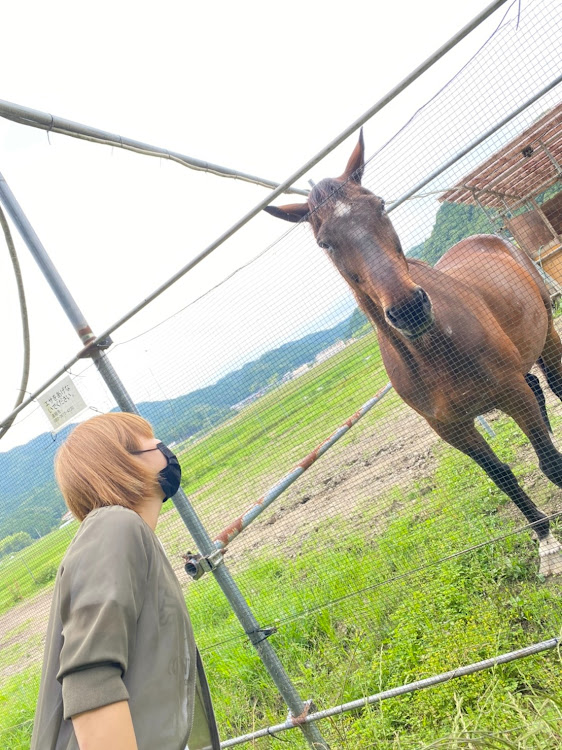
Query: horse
<point>458,339</point>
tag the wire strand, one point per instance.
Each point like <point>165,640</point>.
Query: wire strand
<point>400,577</point>
<point>24,320</point>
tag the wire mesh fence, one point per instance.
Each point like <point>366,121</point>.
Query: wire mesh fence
<point>393,556</point>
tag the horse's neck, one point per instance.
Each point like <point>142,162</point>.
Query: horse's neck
<point>427,276</point>
<point>373,313</point>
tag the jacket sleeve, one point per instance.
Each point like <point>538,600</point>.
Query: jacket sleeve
<point>103,582</point>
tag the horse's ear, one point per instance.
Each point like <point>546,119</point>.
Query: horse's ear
<point>356,163</point>
<point>293,212</point>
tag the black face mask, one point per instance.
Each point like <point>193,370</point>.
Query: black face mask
<point>169,478</point>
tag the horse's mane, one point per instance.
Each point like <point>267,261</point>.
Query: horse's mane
<point>323,191</point>
<point>416,262</point>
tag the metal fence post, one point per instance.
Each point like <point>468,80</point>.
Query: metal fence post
<point>257,635</point>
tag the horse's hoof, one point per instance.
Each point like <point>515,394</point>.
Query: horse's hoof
<point>550,553</point>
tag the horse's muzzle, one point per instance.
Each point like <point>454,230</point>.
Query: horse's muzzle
<point>414,317</point>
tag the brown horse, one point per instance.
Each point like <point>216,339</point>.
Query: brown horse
<point>458,339</point>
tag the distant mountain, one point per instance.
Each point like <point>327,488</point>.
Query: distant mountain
<point>29,498</point>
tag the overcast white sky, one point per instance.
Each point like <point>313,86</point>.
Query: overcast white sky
<point>254,86</point>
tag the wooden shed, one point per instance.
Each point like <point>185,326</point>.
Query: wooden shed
<point>510,186</point>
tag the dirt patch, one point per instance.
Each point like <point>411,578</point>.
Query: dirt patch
<point>396,452</point>
<point>345,482</point>
<point>20,625</point>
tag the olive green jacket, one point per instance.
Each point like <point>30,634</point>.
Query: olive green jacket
<point>119,630</point>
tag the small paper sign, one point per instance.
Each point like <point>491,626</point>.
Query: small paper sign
<point>62,402</point>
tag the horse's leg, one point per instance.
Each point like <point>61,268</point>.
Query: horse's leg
<point>534,384</point>
<point>519,401</point>
<point>466,438</point>
<point>550,360</point>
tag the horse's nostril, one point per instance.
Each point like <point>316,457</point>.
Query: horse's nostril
<point>411,315</point>
<point>391,315</point>
<point>422,295</point>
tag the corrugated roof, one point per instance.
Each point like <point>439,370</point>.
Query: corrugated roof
<point>521,168</point>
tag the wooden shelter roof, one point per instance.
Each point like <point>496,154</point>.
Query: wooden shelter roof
<point>524,167</point>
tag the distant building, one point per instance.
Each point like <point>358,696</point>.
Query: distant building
<point>250,399</point>
<point>66,519</point>
<point>327,353</point>
<point>300,371</point>
<point>510,188</point>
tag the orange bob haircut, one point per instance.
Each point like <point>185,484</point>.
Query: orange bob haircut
<point>94,467</point>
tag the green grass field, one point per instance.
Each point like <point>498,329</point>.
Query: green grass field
<point>352,617</point>
<point>33,568</point>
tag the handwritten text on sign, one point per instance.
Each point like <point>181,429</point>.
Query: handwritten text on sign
<point>62,402</point>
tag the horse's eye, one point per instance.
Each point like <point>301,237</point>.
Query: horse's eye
<point>324,245</point>
<point>354,277</point>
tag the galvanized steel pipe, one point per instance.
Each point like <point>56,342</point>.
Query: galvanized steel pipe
<point>395,692</point>
<point>54,279</point>
<point>190,518</point>
<point>54,124</point>
<point>243,521</point>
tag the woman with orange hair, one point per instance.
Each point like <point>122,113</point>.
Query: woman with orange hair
<point>121,669</point>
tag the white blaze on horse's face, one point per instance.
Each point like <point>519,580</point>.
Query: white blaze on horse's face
<point>342,209</point>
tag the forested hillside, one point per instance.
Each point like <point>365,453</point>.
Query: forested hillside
<point>358,324</point>
<point>453,222</point>
<point>181,417</point>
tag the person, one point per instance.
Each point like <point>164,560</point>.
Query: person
<point>121,670</point>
